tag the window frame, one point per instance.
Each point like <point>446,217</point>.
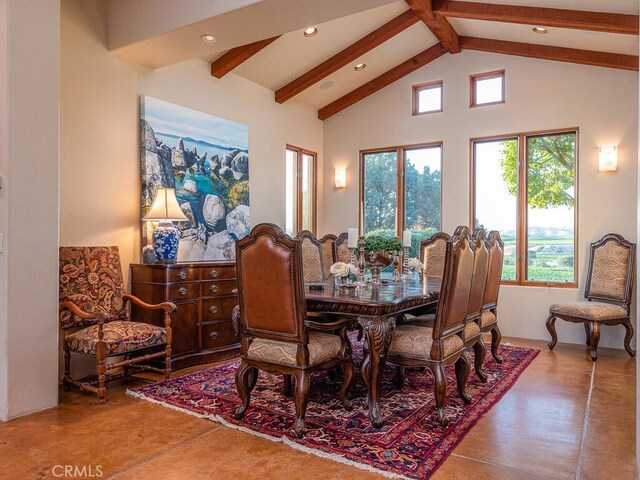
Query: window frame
<point>486,76</point>
<point>522,239</point>
<point>415,93</point>
<point>300,152</point>
<point>400,180</point>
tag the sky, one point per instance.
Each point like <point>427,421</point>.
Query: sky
<point>496,208</point>
<point>174,119</point>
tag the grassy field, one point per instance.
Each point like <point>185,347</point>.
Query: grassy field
<point>542,266</point>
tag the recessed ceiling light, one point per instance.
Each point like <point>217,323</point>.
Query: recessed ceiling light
<point>540,30</point>
<point>359,67</point>
<point>310,32</point>
<point>326,85</point>
<point>208,38</point>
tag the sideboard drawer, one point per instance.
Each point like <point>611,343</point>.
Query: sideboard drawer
<point>218,335</point>
<point>183,274</point>
<point>219,289</point>
<point>183,291</point>
<point>218,308</point>
<point>218,273</point>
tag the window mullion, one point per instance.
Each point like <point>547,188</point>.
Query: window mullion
<point>522,213</point>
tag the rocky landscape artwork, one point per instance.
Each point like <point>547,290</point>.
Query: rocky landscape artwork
<point>206,159</point>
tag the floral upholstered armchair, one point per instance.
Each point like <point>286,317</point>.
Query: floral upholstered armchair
<point>607,293</point>
<point>95,319</point>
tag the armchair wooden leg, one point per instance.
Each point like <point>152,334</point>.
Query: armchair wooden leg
<point>67,370</point>
<point>101,368</point>
<point>398,380</point>
<point>440,391</point>
<point>347,381</point>
<point>587,334</point>
<point>243,385</point>
<point>594,339</point>
<point>463,368</point>
<point>167,361</point>
<point>551,326</point>
<point>303,383</point>
<point>628,336</point>
<point>480,352</point>
<point>286,386</point>
<point>496,338</point>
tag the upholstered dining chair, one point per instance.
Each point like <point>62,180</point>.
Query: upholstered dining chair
<point>271,320</point>
<point>328,253</point>
<point>432,252</point>
<point>472,329</point>
<point>607,294</point>
<point>489,317</point>
<point>443,344</point>
<point>343,254</point>
<point>312,268</point>
<point>96,322</point>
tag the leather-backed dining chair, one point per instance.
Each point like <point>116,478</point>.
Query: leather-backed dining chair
<point>489,318</point>
<point>443,344</point>
<point>343,254</point>
<point>312,268</point>
<point>432,251</point>
<point>328,253</point>
<point>271,320</point>
<point>607,294</point>
<point>96,321</point>
<point>473,329</point>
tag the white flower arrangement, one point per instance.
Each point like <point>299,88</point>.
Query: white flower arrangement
<point>415,265</point>
<point>341,269</point>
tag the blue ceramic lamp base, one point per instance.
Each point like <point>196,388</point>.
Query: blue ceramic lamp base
<point>165,243</point>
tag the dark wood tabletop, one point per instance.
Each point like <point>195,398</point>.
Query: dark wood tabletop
<point>383,300</point>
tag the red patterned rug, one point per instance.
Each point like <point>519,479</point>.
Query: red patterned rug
<point>412,444</point>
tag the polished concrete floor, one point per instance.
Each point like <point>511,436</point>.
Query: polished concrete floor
<point>564,419</point>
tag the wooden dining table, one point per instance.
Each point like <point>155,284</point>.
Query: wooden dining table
<point>376,308</point>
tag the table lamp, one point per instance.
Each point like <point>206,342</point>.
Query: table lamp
<point>165,209</point>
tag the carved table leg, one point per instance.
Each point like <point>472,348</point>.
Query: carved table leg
<point>551,326</point>
<point>378,332</point>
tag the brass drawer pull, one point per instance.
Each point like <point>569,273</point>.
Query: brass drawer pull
<point>213,335</point>
<point>213,274</point>
<point>213,309</point>
<point>182,275</point>
<point>182,291</point>
<point>213,288</point>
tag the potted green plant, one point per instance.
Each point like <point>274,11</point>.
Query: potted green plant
<point>380,251</point>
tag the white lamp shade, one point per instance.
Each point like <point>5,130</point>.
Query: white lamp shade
<point>608,159</point>
<point>165,207</point>
<point>340,180</point>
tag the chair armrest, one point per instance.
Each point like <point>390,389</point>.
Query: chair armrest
<point>235,319</point>
<point>166,306</point>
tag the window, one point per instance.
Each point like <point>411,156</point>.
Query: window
<point>401,190</point>
<point>487,88</point>
<point>427,98</point>
<point>524,186</point>
<point>300,194</point>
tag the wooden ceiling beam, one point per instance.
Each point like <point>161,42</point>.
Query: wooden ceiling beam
<point>346,56</point>
<point>234,57</point>
<point>382,81</point>
<point>545,52</point>
<point>438,24</point>
<point>544,17</point>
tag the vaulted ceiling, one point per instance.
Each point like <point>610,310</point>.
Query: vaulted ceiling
<point>394,38</point>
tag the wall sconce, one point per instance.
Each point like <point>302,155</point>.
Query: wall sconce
<point>340,180</point>
<point>608,159</point>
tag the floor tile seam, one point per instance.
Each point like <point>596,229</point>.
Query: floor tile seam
<point>585,425</point>
<point>164,452</point>
<point>507,467</point>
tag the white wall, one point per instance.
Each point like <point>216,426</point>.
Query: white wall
<point>540,95</point>
<point>100,172</point>
<point>29,126</point>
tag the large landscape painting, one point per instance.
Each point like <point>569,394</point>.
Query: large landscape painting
<point>206,159</point>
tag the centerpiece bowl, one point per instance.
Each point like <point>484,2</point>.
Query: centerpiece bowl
<point>380,252</point>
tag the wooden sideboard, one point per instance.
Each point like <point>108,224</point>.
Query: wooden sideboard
<point>205,294</point>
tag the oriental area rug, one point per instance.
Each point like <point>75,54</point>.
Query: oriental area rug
<point>411,444</point>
